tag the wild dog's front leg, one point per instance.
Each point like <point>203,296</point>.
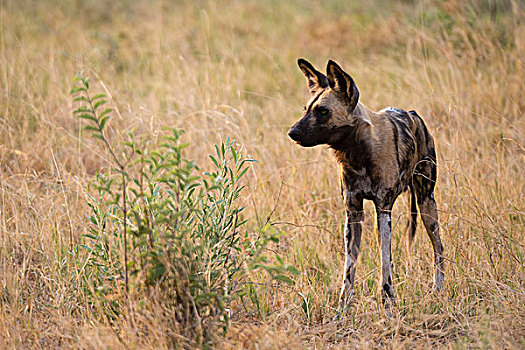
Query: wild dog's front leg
<point>384,225</point>
<point>352,233</point>
<point>429,216</point>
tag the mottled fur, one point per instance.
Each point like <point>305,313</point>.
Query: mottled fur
<point>381,155</point>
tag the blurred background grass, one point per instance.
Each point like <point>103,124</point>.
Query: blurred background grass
<point>219,69</point>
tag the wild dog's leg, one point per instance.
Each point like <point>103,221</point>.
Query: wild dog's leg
<point>428,210</point>
<point>384,225</point>
<point>412,220</point>
<point>424,182</point>
<point>352,233</point>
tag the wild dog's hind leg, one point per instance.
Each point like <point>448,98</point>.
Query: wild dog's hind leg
<point>412,220</point>
<point>352,237</point>
<point>384,226</point>
<point>424,182</point>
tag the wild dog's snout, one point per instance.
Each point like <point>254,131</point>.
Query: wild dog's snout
<point>301,133</point>
<point>294,133</point>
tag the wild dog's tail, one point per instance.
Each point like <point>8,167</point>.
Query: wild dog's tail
<point>412,220</point>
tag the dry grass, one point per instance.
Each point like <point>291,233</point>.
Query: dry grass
<point>229,69</point>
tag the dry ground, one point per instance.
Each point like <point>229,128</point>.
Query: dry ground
<point>219,69</point>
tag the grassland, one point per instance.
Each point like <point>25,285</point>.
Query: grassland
<point>219,69</point>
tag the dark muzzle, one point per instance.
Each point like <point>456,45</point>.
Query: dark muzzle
<point>294,134</point>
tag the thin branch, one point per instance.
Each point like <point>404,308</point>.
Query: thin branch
<point>108,146</point>
<point>275,206</point>
<point>298,225</point>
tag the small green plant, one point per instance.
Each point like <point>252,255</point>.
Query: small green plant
<point>179,233</point>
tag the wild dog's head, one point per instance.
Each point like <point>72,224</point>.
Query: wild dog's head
<point>328,114</point>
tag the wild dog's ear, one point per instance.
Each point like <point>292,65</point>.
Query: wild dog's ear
<point>316,80</point>
<point>341,81</point>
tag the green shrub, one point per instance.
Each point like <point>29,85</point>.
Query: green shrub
<point>158,228</point>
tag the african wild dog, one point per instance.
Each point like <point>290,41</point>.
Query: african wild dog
<point>381,155</point>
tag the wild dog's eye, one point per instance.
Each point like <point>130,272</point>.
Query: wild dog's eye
<point>304,108</point>
<point>323,112</point>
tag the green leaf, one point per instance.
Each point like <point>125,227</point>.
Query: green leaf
<point>97,96</point>
<point>83,109</point>
<point>293,270</point>
<point>77,89</point>
<point>93,237</point>
<point>242,173</point>
<point>103,121</point>
<point>234,154</point>
<point>80,99</point>
<point>99,103</point>
<point>86,247</point>
<point>88,117</point>
<point>106,111</point>
<point>214,160</point>
<point>91,128</point>
<point>156,272</point>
